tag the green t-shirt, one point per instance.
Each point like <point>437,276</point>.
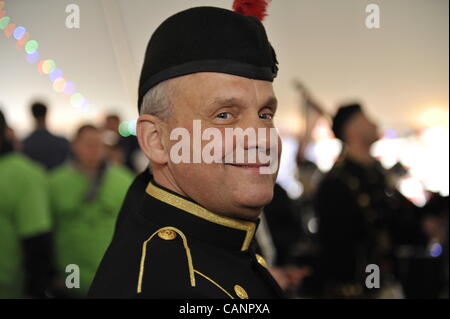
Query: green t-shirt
<point>84,228</point>
<point>24,212</point>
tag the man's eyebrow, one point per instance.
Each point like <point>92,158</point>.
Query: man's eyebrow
<point>227,101</point>
<point>271,102</point>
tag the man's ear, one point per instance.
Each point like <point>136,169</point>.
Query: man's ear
<point>149,134</point>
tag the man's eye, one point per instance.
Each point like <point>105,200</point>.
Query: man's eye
<point>224,115</point>
<point>266,116</point>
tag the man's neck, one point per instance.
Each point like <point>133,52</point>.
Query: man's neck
<point>165,179</point>
<point>41,125</point>
<point>359,153</point>
<point>87,171</point>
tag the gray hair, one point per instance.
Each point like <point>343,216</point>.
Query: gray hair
<point>158,101</point>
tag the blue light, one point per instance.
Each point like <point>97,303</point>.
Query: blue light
<point>33,57</point>
<point>55,74</point>
<point>436,250</point>
<point>19,32</point>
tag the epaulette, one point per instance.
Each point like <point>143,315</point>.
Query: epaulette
<point>157,243</point>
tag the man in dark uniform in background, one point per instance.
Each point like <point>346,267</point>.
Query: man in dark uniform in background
<point>188,232</point>
<point>41,145</point>
<point>361,216</point>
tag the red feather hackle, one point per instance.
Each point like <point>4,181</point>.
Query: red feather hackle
<point>256,8</point>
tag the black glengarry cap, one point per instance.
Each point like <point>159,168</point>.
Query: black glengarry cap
<point>207,39</point>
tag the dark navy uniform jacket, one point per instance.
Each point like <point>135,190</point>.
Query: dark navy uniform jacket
<point>362,219</point>
<point>168,246</point>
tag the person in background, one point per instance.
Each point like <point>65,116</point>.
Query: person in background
<point>25,225</point>
<point>122,149</point>
<point>112,139</point>
<point>85,196</point>
<point>362,218</point>
<point>277,236</point>
<point>429,276</point>
<point>41,145</point>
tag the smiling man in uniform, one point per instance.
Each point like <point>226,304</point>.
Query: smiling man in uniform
<point>186,231</point>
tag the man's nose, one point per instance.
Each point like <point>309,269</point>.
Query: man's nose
<point>261,130</point>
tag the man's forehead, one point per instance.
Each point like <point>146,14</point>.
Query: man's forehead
<point>359,117</point>
<point>222,86</point>
<point>88,134</point>
<point>205,91</point>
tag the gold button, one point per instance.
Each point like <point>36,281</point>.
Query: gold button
<point>240,292</point>
<point>167,234</point>
<point>260,259</point>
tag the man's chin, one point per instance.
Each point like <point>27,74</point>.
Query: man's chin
<point>246,213</point>
<point>258,196</point>
<point>251,208</point>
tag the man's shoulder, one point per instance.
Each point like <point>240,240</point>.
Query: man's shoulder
<point>19,165</point>
<point>63,174</point>
<point>36,136</point>
<point>341,174</point>
<point>30,138</point>
<point>157,264</point>
<point>41,135</point>
<point>57,140</point>
<point>120,172</point>
<point>166,265</point>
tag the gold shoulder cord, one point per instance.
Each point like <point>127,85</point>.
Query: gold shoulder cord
<point>189,258</point>
<point>203,213</point>
<point>214,283</point>
<point>144,253</point>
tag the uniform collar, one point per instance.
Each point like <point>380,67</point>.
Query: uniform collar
<point>195,220</point>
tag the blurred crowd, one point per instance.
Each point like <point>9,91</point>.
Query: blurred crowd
<point>352,233</point>
<point>59,202</point>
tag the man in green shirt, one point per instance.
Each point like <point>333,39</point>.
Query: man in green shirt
<point>25,241</point>
<point>86,196</point>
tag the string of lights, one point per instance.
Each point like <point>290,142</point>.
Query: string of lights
<point>60,83</point>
